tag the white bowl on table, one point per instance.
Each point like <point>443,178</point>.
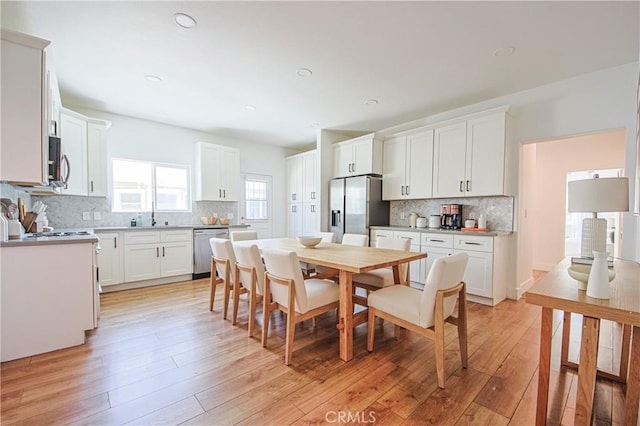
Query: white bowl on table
<point>581,272</point>
<point>309,242</point>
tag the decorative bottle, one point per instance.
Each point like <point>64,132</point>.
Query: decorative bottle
<point>598,283</point>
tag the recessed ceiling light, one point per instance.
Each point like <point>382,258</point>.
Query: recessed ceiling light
<point>250,107</point>
<point>184,20</point>
<point>504,51</point>
<point>371,102</point>
<point>304,72</point>
<point>153,78</point>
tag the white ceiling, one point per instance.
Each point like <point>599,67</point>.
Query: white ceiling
<point>415,58</point>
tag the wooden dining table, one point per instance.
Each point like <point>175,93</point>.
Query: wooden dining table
<point>345,260</point>
<point>557,290</point>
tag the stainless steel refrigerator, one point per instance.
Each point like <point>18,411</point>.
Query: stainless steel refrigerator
<point>355,204</point>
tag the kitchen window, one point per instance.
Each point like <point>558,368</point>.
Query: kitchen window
<point>256,201</point>
<point>140,186</point>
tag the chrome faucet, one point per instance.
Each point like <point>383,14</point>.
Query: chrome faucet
<point>153,215</point>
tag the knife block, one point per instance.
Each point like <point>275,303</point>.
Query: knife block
<point>29,222</point>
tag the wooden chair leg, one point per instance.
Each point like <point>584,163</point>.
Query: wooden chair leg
<point>370,328</point>
<point>462,327</point>
<point>213,284</point>
<point>266,314</point>
<point>227,294</point>
<point>252,310</point>
<point>236,301</point>
<point>291,331</point>
<point>439,340</point>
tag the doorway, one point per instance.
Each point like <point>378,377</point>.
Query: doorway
<point>256,204</point>
<point>573,223</point>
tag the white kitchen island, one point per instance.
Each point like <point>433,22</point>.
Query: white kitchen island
<point>48,295</point>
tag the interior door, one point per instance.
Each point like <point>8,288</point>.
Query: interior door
<point>256,205</point>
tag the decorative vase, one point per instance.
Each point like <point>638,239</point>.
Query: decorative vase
<point>598,284</point>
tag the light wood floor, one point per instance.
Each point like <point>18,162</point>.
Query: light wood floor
<point>160,357</point>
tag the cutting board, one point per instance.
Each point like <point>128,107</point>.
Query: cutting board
<point>474,229</point>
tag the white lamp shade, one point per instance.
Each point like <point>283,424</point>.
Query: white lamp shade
<point>599,195</point>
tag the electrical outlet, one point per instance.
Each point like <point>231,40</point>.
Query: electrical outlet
<point>97,216</point>
<point>86,215</point>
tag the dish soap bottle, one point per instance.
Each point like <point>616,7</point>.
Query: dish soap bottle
<point>139,220</point>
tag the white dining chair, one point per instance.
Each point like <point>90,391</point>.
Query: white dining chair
<point>250,272</point>
<point>355,240</point>
<point>223,262</point>
<point>300,299</point>
<point>379,278</point>
<point>243,235</point>
<point>426,311</point>
<point>328,237</point>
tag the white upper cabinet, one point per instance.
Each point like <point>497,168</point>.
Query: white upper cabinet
<point>97,159</point>
<point>359,156</point>
<point>407,166</point>
<point>217,173</point>
<point>84,144</point>
<point>24,132</point>
<point>74,148</point>
<point>469,157</point>
<point>295,176</point>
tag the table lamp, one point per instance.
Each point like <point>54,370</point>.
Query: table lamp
<point>597,195</point>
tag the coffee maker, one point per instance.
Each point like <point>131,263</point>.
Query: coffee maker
<point>451,216</point>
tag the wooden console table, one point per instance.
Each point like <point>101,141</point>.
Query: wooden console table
<point>557,290</point>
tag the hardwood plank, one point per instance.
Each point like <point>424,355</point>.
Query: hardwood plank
<point>587,369</point>
<point>478,415</point>
<point>445,406</point>
<point>172,414</point>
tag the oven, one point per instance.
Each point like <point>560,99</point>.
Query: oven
<point>202,250</point>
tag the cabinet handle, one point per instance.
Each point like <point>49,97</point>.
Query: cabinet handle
<point>402,190</point>
<point>437,241</point>
<point>115,242</point>
<point>468,185</point>
<point>66,178</point>
<point>224,193</point>
<point>162,251</point>
<point>354,167</point>
<point>157,252</point>
<point>293,209</point>
<point>469,243</point>
<point>313,209</point>
<point>407,190</point>
<point>461,186</point>
<point>91,186</point>
<point>293,197</point>
<point>219,193</point>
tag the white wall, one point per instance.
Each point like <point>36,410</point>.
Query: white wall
<point>140,139</point>
<point>554,159</point>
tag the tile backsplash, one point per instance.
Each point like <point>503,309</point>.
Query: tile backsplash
<point>497,210</point>
<point>66,211</point>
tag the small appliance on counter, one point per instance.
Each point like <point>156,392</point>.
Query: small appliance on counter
<point>421,222</point>
<point>434,221</point>
<point>451,216</point>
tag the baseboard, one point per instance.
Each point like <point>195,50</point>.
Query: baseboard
<point>146,283</point>
<point>544,266</point>
<point>518,292</point>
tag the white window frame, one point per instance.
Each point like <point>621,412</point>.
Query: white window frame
<point>154,206</point>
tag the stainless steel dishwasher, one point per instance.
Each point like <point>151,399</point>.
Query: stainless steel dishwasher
<point>202,250</point>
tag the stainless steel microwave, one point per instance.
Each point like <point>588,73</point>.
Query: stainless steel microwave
<point>56,158</point>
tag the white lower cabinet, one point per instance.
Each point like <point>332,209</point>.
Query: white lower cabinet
<point>486,276</point>
<point>156,254</point>
<point>110,259</point>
